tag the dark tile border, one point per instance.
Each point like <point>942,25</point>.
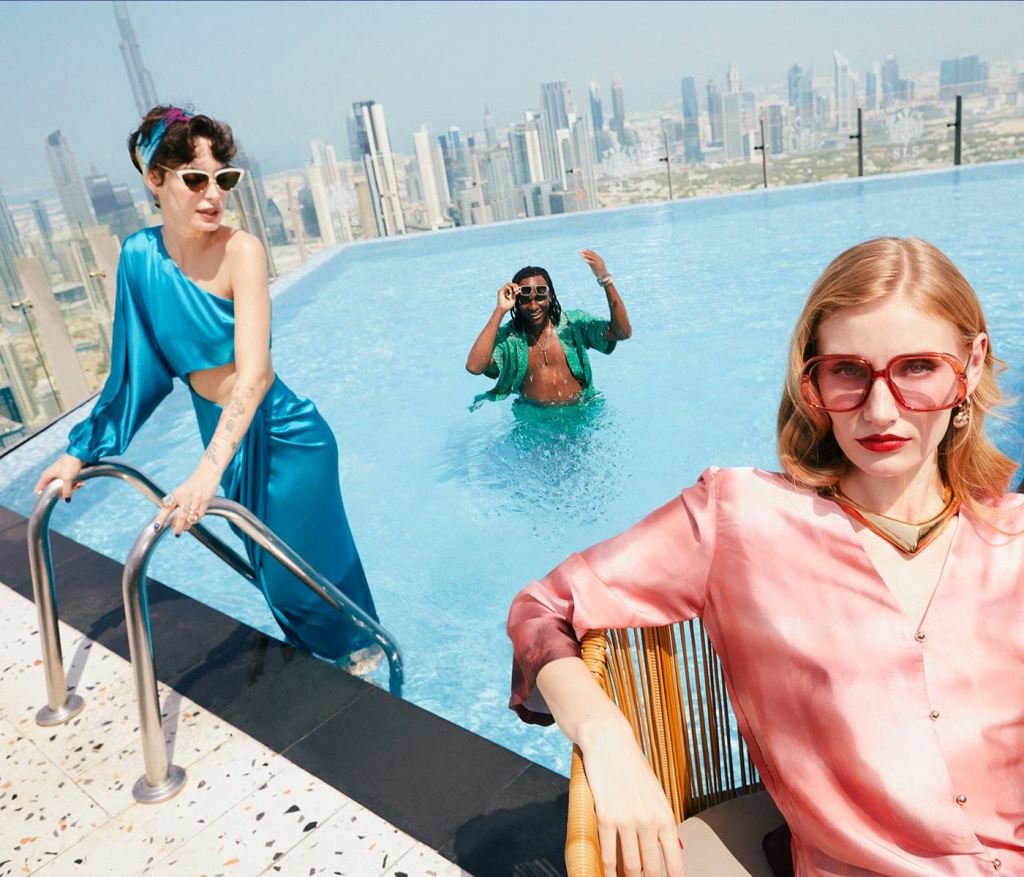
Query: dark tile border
<point>487,809</point>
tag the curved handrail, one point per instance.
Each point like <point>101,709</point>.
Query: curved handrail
<point>60,706</point>
<point>161,779</point>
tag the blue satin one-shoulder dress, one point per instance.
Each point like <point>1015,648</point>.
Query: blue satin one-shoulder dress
<point>286,469</point>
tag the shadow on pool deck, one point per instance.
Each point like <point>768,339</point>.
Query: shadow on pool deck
<point>487,809</point>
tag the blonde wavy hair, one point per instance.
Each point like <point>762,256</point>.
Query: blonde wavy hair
<point>969,464</point>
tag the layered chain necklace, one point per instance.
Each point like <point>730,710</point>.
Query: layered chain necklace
<point>908,538</point>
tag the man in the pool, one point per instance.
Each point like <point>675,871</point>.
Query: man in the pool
<point>542,352</point>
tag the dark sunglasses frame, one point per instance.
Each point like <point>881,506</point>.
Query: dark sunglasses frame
<point>812,398</point>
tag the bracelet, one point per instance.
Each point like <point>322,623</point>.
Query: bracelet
<point>604,281</point>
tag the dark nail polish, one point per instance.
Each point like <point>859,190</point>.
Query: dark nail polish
<point>177,535</point>
<point>156,526</point>
<point>67,499</point>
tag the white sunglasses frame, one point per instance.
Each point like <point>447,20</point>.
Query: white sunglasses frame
<point>181,171</point>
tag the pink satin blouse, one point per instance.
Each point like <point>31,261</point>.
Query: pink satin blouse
<point>891,747</point>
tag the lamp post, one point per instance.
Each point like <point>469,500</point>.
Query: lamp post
<point>859,137</point>
<point>764,155</point>
<point>958,124</point>
<point>667,158</point>
<point>24,306</point>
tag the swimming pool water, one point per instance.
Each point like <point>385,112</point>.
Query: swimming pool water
<point>454,510</point>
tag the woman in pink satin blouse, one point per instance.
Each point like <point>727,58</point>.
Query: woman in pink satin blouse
<point>867,603</point>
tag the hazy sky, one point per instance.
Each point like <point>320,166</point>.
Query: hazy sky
<point>283,73</point>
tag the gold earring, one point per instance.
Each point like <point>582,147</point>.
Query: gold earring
<point>963,414</point>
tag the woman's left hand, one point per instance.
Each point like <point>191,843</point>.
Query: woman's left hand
<point>595,262</point>
<point>191,498</point>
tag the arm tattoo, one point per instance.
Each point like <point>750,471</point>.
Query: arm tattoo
<point>212,451</point>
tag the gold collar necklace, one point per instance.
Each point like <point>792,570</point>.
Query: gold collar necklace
<point>908,538</point>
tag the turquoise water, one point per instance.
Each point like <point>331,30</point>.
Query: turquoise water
<point>454,510</point>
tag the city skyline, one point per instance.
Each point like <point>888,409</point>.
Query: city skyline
<point>261,118</point>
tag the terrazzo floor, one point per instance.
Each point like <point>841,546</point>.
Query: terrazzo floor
<point>65,792</point>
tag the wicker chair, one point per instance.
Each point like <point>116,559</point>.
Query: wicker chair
<point>669,683</point>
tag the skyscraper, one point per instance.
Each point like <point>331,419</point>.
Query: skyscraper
<point>113,205</point>
<point>524,141</point>
<point>432,196</point>
<point>10,248</point>
<point>67,181</point>
<point>845,93</point>
<point>580,162</point>
<point>490,138</point>
<point>793,77</point>
<point>556,105</point>
<point>691,120</point>
<point>142,83</point>
<point>327,192</point>
<point>774,123</point>
<point>715,113</point>
<point>618,120</point>
<point>965,75</point>
<point>894,89</point>
<point>872,94</point>
<point>740,125</point>
<point>379,165</point>
<point>732,79</point>
<point>596,107</point>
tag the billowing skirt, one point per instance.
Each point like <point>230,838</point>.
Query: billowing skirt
<point>286,473</point>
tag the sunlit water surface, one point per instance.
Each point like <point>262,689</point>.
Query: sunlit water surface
<point>455,510</point>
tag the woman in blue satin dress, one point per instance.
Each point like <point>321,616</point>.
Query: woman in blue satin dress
<point>193,303</point>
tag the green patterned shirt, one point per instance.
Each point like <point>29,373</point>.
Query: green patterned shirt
<point>577,331</point>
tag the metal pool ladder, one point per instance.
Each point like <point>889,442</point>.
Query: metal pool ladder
<point>162,780</point>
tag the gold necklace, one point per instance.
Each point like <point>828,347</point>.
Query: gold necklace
<point>544,347</point>
<point>908,538</point>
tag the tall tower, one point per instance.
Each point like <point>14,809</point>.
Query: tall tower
<point>846,93</point>
<point>10,248</point>
<point>428,179</point>
<point>596,107</point>
<point>556,105</point>
<point>618,120</point>
<point>691,120</point>
<point>715,113</point>
<point>70,188</point>
<point>732,79</point>
<point>141,82</point>
<point>379,163</point>
<point>490,138</point>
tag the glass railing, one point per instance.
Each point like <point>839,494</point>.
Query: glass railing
<point>57,291</point>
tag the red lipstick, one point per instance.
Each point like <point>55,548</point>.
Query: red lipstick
<point>883,444</point>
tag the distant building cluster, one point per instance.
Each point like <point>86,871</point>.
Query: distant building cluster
<point>58,261</point>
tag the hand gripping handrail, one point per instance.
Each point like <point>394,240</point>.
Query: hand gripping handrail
<point>62,707</point>
<point>162,780</point>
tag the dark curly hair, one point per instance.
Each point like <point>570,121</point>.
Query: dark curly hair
<point>554,312</point>
<point>178,144</point>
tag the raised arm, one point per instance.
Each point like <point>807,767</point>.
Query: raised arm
<point>254,375</point>
<point>481,355</point>
<point>619,328</point>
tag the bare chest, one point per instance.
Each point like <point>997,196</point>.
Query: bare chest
<point>548,376</point>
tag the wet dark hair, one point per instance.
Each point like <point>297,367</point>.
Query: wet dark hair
<point>554,312</point>
<point>178,144</point>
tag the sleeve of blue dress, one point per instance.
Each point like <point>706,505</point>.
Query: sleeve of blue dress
<point>139,379</point>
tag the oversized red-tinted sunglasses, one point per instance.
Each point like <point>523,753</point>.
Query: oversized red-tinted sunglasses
<point>838,382</point>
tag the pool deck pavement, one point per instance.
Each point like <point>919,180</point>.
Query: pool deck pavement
<point>294,768</point>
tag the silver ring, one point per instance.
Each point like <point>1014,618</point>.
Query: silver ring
<point>169,501</point>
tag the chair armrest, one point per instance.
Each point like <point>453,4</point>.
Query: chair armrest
<point>582,848</point>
